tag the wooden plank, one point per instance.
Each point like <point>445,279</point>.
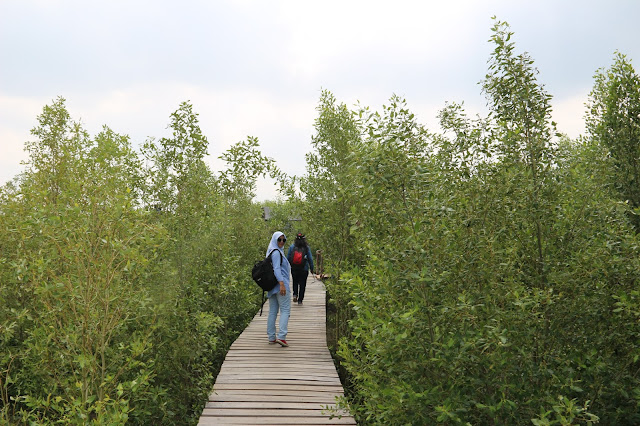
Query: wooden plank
<point>216,420</point>
<point>268,351</point>
<point>262,395</point>
<point>285,373</point>
<point>291,374</point>
<point>277,378</point>
<point>253,383</point>
<point>327,399</point>
<point>280,382</point>
<point>259,394</point>
<point>261,383</point>
<point>274,387</point>
<point>290,368</point>
<point>281,405</point>
<point>285,369</point>
<point>295,371</point>
<point>288,358</point>
<point>264,412</point>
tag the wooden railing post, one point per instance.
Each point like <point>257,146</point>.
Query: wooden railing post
<point>319,263</point>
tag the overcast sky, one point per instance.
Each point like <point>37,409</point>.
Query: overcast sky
<point>256,68</point>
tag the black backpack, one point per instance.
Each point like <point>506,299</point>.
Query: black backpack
<point>262,274</point>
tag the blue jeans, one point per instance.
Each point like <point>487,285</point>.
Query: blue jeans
<point>282,303</point>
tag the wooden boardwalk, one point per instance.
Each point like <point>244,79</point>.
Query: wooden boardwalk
<point>263,384</point>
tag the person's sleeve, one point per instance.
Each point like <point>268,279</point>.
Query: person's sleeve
<point>276,261</point>
<point>310,258</point>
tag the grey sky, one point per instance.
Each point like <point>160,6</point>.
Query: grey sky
<point>257,67</point>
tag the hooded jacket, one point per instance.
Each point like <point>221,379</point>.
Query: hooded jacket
<point>281,267</point>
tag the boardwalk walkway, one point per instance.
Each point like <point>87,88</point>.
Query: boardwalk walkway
<point>267,384</point>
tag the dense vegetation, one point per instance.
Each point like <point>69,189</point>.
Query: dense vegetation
<point>487,274</point>
<point>123,277</point>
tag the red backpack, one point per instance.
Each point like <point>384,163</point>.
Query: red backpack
<point>298,257</point>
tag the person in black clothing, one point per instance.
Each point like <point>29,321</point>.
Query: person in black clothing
<point>301,260</point>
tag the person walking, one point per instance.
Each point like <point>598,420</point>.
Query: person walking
<point>301,260</point>
<point>279,295</point>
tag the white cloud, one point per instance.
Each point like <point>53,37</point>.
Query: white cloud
<point>283,126</point>
<point>11,153</point>
<point>257,68</point>
<point>569,113</point>
<point>336,34</point>
<point>17,118</point>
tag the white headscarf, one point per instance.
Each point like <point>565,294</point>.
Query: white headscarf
<point>274,243</point>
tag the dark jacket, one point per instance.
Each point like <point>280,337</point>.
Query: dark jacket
<point>307,262</point>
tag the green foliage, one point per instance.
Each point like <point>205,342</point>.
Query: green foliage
<point>520,113</point>
<point>122,286</point>
<point>285,216</point>
<point>613,120</point>
<point>175,160</point>
<point>494,272</point>
<point>206,294</point>
<point>566,412</point>
<point>328,186</point>
<point>245,165</point>
<point>78,253</point>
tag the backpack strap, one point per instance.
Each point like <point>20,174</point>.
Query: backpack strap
<point>261,302</point>
<point>271,252</point>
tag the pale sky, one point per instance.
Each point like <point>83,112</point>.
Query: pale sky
<point>256,68</point>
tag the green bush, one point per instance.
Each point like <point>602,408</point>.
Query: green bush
<point>495,269</point>
<point>122,286</point>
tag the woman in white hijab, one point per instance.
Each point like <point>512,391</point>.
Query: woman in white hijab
<point>279,295</point>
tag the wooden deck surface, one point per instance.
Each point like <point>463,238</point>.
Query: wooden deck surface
<point>263,384</point>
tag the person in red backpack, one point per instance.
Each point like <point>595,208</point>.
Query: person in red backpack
<point>301,261</point>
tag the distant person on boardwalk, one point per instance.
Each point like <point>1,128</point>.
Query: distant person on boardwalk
<point>279,295</point>
<point>301,260</point>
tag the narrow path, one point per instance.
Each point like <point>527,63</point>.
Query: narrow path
<point>263,384</point>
